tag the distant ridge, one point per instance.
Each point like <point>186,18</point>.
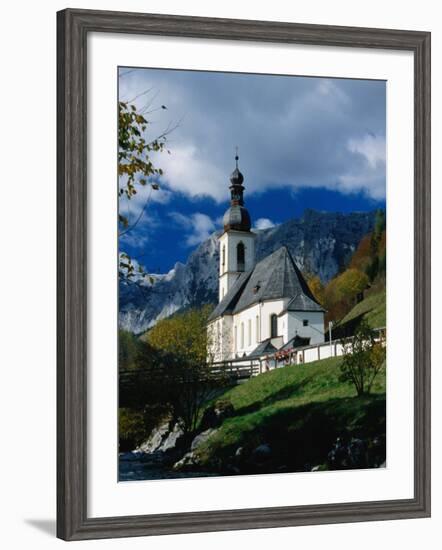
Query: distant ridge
<point>320,243</point>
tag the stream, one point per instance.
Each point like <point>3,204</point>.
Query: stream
<point>149,468</point>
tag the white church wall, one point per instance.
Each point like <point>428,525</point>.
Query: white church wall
<point>253,325</point>
<point>314,329</point>
<point>269,308</point>
<point>247,330</point>
<point>220,339</point>
<point>225,283</point>
<point>228,270</point>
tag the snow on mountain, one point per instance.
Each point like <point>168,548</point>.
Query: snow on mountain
<point>320,242</point>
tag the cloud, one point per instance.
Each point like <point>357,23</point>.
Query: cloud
<point>264,223</point>
<point>135,239</point>
<point>368,173</point>
<point>188,171</point>
<point>372,148</point>
<point>198,227</point>
<point>142,202</point>
<point>291,132</point>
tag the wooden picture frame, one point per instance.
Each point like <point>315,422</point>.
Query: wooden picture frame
<point>73,27</point>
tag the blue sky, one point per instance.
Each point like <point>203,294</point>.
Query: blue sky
<point>303,143</point>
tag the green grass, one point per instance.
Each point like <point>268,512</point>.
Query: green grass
<point>372,308</point>
<point>299,411</point>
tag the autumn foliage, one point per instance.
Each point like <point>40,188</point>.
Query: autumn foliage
<point>184,335</point>
<point>366,267</point>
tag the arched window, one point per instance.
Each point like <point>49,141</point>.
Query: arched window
<point>240,257</point>
<point>273,325</point>
<point>223,257</point>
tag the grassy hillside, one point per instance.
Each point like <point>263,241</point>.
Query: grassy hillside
<point>298,411</point>
<point>372,309</point>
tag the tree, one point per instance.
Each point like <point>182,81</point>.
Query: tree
<point>128,347</point>
<point>350,283</point>
<point>135,169</point>
<point>183,335</point>
<point>180,375</point>
<point>379,223</point>
<point>363,358</point>
<point>316,287</point>
<point>362,256</point>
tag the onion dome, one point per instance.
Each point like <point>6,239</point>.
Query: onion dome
<point>237,216</point>
<point>236,178</point>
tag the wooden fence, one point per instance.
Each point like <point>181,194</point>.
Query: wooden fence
<point>243,368</point>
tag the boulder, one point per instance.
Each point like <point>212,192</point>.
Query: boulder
<point>201,438</point>
<point>172,439</point>
<point>156,438</point>
<point>262,453</point>
<point>239,453</point>
<point>214,415</point>
<point>357,453</point>
<point>188,462</point>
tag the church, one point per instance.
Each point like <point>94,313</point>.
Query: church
<point>264,306</point>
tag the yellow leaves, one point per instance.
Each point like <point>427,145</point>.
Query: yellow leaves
<point>316,288</point>
<point>340,293</point>
<point>351,282</point>
<point>183,335</point>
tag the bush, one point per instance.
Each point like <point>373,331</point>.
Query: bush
<point>363,359</point>
<point>131,429</point>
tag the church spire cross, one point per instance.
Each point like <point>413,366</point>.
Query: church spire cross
<point>236,186</point>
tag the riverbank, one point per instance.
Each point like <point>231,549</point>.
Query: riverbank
<point>293,419</point>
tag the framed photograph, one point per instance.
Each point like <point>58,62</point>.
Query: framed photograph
<point>243,274</point>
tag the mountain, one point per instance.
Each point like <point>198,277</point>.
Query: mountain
<point>320,242</point>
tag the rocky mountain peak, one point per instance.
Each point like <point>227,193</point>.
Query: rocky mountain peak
<point>320,242</point>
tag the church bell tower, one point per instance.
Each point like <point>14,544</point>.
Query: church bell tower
<point>237,243</point>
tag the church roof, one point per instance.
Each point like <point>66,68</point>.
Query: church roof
<point>296,342</point>
<point>273,278</point>
<point>228,303</point>
<point>302,302</point>
<point>264,347</point>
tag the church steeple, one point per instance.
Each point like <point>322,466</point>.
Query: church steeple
<point>237,216</point>
<point>237,243</point>
<point>236,187</point>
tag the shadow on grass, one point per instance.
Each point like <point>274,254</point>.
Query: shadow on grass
<point>290,390</point>
<point>305,434</point>
<point>349,327</point>
<point>302,436</point>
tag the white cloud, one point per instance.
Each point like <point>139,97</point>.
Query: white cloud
<point>328,88</point>
<point>264,223</point>
<point>186,170</point>
<point>140,204</point>
<point>198,226</point>
<point>134,238</point>
<point>372,148</point>
<point>369,174</point>
<point>291,132</point>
